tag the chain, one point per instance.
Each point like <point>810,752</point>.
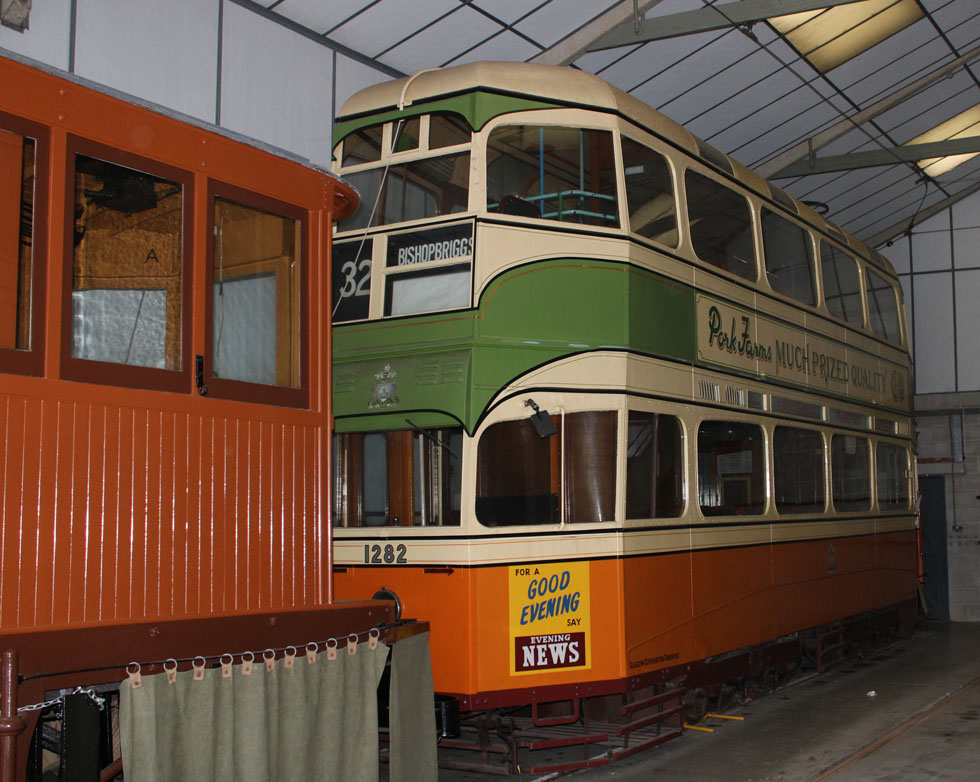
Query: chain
<point>98,700</point>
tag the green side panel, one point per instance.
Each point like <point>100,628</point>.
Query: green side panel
<point>450,366</point>
<point>662,317</point>
<point>477,108</point>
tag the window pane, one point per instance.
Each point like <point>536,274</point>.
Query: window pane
<point>351,286</point>
<point>798,470</point>
<point>405,134</point>
<point>841,284</point>
<point>721,225</point>
<point>445,288</point>
<point>16,239</point>
<point>515,480</point>
<point>403,478</point>
<point>649,193</point>
<point>363,146</point>
<point>731,471</point>
<point>882,307</point>
<point>519,472</point>
<point>654,466</point>
<point>555,173</point>
<point>789,257</point>
<point>893,480</point>
<point>446,130</point>
<point>850,472</point>
<point>256,296</point>
<point>410,191</point>
<point>590,467</point>
<point>127,266</point>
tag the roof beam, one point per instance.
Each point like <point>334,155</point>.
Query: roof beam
<point>628,13</point>
<point>715,17</point>
<point>881,157</point>
<point>908,224</point>
<point>773,169</point>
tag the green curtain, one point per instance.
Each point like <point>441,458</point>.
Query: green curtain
<point>311,722</point>
<point>412,714</point>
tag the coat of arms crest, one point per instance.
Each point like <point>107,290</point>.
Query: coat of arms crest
<point>384,388</point>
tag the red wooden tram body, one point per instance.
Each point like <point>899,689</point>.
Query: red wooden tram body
<point>168,510</point>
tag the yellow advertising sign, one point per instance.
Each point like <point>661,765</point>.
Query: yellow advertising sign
<point>550,617</point>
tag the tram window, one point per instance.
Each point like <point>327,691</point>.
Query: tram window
<point>850,472</point>
<point>649,193</point>
<point>443,288</point>
<point>127,299</point>
<point>17,230</point>
<point>400,479</point>
<point>789,257</point>
<point>363,145</point>
<point>892,468</point>
<point>255,296</point>
<point>731,471</point>
<point>654,466</point>
<point>798,470</point>
<point>447,130</point>
<point>841,284</point>
<point>519,472</point>
<point>882,306</point>
<point>555,173</point>
<point>721,225</point>
<point>419,189</point>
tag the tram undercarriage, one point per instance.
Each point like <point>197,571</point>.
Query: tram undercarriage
<point>588,730</point>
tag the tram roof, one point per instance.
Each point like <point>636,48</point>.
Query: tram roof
<point>566,85</point>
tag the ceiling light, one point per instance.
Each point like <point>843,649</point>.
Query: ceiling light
<point>833,36</point>
<point>961,126</point>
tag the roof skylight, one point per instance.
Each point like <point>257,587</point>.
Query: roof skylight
<point>829,37</point>
<point>961,126</point>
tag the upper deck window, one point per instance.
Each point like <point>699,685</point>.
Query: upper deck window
<point>20,256</point>
<point>554,173</point>
<point>429,187</point>
<point>649,193</point>
<point>841,284</point>
<point>393,191</point>
<point>128,298</point>
<point>882,306</point>
<point>721,225</point>
<point>789,257</point>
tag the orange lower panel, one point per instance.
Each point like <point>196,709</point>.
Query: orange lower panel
<point>496,639</point>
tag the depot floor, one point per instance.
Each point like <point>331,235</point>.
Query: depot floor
<point>909,714</point>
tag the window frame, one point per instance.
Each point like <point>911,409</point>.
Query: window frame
<point>752,221</point>
<point>243,390</point>
<point>106,372</point>
<point>31,361</point>
<point>627,218</point>
<point>808,243</point>
<point>839,253</point>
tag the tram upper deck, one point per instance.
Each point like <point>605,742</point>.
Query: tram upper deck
<point>475,175</point>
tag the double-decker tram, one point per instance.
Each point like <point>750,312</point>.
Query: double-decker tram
<point>616,415</point>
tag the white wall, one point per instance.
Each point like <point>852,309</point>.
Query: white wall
<point>939,266</point>
<point>213,60</point>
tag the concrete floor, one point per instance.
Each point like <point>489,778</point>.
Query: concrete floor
<point>910,714</point>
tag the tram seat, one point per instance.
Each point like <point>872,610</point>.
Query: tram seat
<point>513,205</point>
<point>518,509</point>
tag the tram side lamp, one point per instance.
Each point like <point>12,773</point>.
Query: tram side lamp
<point>543,424</point>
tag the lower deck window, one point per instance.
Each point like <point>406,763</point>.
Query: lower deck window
<point>731,472</point>
<point>798,470</point>
<point>409,478</point>
<point>654,466</point>
<point>850,469</point>
<point>892,466</point>
<point>519,472</point>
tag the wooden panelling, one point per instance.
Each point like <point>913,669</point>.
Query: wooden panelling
<point>114,513</point>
